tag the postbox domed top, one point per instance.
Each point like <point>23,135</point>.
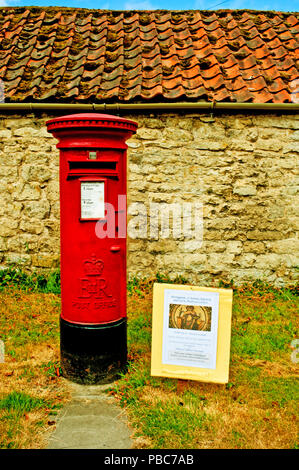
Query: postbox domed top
<point>91,120</point>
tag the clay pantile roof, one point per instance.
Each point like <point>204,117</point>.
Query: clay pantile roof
<point>79,55</point>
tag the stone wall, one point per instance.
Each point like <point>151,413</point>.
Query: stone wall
<point>240,169</point>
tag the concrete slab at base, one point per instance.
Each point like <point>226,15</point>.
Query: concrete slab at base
<point>91,420</point>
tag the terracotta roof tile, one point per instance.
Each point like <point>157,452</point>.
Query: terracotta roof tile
<point>73,55</point>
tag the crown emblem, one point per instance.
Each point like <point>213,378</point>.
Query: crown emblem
<point>93,266</point>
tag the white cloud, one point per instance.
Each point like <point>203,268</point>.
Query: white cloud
<point>3,3</point>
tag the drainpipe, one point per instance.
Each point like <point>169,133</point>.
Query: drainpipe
<point>162,107</point>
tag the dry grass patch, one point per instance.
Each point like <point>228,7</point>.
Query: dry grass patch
<point>276,369</point>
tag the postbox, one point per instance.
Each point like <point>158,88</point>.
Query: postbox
<point>93,188</point>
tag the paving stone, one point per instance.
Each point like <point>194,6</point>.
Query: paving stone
<point>91,420</point>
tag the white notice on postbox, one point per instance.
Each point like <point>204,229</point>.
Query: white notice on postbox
<point>92,199</point>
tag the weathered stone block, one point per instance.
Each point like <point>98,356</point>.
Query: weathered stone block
<point>149,134</point>
<point>45,260</point>
<point>31,225</point>
<point>5,134</point>
<point>29,192</point>
<point>22,243</point>
<point>27,132</point>
<point>289,245</point>
<point>8,226</point>
<point>18,259</point>
<point>246,190</point>
<point>177,135</point>
<point>35,172</point>
<point>269,261</point>
<point>253,247</point>
<point>37,209</point>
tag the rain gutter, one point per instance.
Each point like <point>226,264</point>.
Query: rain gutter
<point>162,107</point>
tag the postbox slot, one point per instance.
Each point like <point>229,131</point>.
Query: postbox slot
<point>92,168</point>
<point>95,165</point>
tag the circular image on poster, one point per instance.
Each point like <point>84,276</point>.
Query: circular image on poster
<point>190,317</point>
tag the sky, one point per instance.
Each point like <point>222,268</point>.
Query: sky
<point>278,5</point>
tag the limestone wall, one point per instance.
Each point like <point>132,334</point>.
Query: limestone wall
<point>241,170</point>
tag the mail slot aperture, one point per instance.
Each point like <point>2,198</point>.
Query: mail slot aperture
<point>92,167</point>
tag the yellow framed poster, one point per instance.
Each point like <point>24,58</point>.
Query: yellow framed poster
<point>191,332</point>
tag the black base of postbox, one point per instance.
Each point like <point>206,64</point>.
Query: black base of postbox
<point>93,354</point>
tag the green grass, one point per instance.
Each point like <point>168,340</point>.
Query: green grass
<point>267,343</point>
<point>21,402</point>
<point>28,319</point>
<point>142,286</point>
<point>51,368</point>
<point>280,391</point>
<point>172,422</point>
<point>34,282</point>
<point>139,334</point>
<point>21,336</point>
<point>14,409</point>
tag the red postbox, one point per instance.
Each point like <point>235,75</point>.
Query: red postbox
<point>93,188</point>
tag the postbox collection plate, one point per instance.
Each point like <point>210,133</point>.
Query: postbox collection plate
<point>92,199</point>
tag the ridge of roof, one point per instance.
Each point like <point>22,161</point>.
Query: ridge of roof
<point>220,10</point>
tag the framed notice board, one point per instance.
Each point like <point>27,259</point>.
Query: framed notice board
<point>191,332</point>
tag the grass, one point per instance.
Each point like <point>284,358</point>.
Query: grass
<point>30,282</point>
<point>258,408</point>
<point>22,418</point>
<point>31,389</point>
<point>21,402</point>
